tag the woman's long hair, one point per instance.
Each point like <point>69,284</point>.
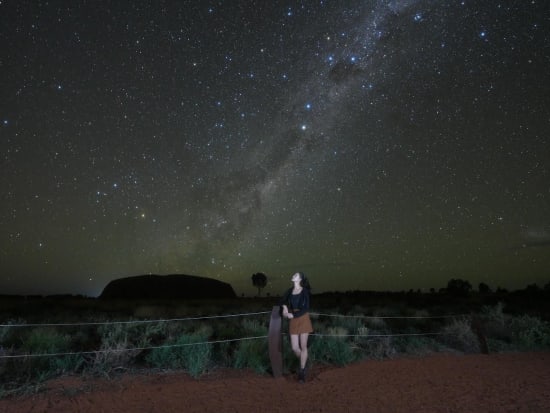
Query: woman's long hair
<point>304,282</point>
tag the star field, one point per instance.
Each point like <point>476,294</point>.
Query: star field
<point>381,145</point>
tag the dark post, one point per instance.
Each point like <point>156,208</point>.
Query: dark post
<point>477,328</point>
<point>275,341</point>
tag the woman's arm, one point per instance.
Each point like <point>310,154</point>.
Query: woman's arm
<point>283,303</point>
<point>285,310</point>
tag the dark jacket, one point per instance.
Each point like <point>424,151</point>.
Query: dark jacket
<point>298,305</point>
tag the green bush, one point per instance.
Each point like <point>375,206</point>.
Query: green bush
<point>254,326</point>
<point>332,350</point>
<point>530,333</point>
<point>495,345</point>
<point>184,353</point>
<point>496,324</point>
<point>121,344</point>
<point>505,332</point>
<point>116,342</point>
<point>4,333</point>
<point>377,323</point>
<point>222,354</point>
<point>416,345</point>
<point>459,335</point>
<point>253,354</point>
<point>351,324</point>
<point>44,341</point>
<point>228,330</point>
<point>378,347</point>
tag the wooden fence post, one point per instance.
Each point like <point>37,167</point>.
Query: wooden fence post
<point>275,342</point>
<point>477,327</point>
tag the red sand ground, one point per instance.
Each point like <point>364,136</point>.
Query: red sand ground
<point>518,382</point>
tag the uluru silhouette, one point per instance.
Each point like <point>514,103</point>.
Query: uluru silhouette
<point>167,286</point>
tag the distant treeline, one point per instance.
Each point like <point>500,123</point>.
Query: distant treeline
<point>455,287</point>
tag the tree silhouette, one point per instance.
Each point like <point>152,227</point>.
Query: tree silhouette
<point>484,288</point>
<point>458,287</point>
<point>259,280</point>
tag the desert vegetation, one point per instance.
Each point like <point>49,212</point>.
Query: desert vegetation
<point>77,335</point>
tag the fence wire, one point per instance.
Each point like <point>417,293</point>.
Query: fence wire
<point>76,353</point>
<point>126,322</point>
<point>97,323</point>
<point>391,317</point>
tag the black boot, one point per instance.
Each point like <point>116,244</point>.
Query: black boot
<point>302,375</point>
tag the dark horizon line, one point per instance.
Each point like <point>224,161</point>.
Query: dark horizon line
<point>442,290</point>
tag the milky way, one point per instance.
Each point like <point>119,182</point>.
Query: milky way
<point>372,144</point>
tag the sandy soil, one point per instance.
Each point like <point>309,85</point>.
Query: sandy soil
<point>518,382</point>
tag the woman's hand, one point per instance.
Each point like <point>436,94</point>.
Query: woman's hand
<point>289,315</point>
<point>285,311</point>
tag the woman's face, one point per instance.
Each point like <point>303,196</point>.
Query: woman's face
<point>296,277</point>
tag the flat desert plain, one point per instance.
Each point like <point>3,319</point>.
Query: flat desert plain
<point>507,382</point>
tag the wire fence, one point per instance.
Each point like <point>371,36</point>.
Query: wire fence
<point>210,342</point>
<point>374,317</point>
<point>196,318</point>
<point>168,320</point>
<point>76,353</point>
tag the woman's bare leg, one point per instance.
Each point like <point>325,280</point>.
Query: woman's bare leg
<point>295,345</point>
<point>303,349</point>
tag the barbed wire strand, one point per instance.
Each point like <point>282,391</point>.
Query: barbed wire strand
<point>379,335</point>
<point>95,323</point>
<point>129,349</point>
<point>390,317</point>
<point>208,342</point>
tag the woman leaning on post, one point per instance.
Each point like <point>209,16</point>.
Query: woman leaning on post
<point>295,307</point>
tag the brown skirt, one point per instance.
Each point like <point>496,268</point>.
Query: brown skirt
<point>300,325</point>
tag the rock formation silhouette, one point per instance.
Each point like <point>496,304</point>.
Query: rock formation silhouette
<point>167,286</point>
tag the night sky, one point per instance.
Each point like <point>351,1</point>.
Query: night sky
<point>381,145</point>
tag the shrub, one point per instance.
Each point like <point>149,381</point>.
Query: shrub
<point>496,345</point>
<point>115,342</point>
<point>496,324</point>
<point>4,333</point>
<point>333,348</point>
<point>229,329</point>
<point>416,345</point>
<point>7,342</point>
<point>506,332</point>
<point>530,332</point>
<point>376,323</point>
<point>184,353</point>
<point>254,328</point>
<point>252,354</point>
<point>47,341</point>
<point>350,324</point>
<point>459,335</point>
<point>122,343</point>
<point>378,347</point>
<point>222,354</point>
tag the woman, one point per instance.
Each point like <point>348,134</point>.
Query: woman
<point>295,307</point>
